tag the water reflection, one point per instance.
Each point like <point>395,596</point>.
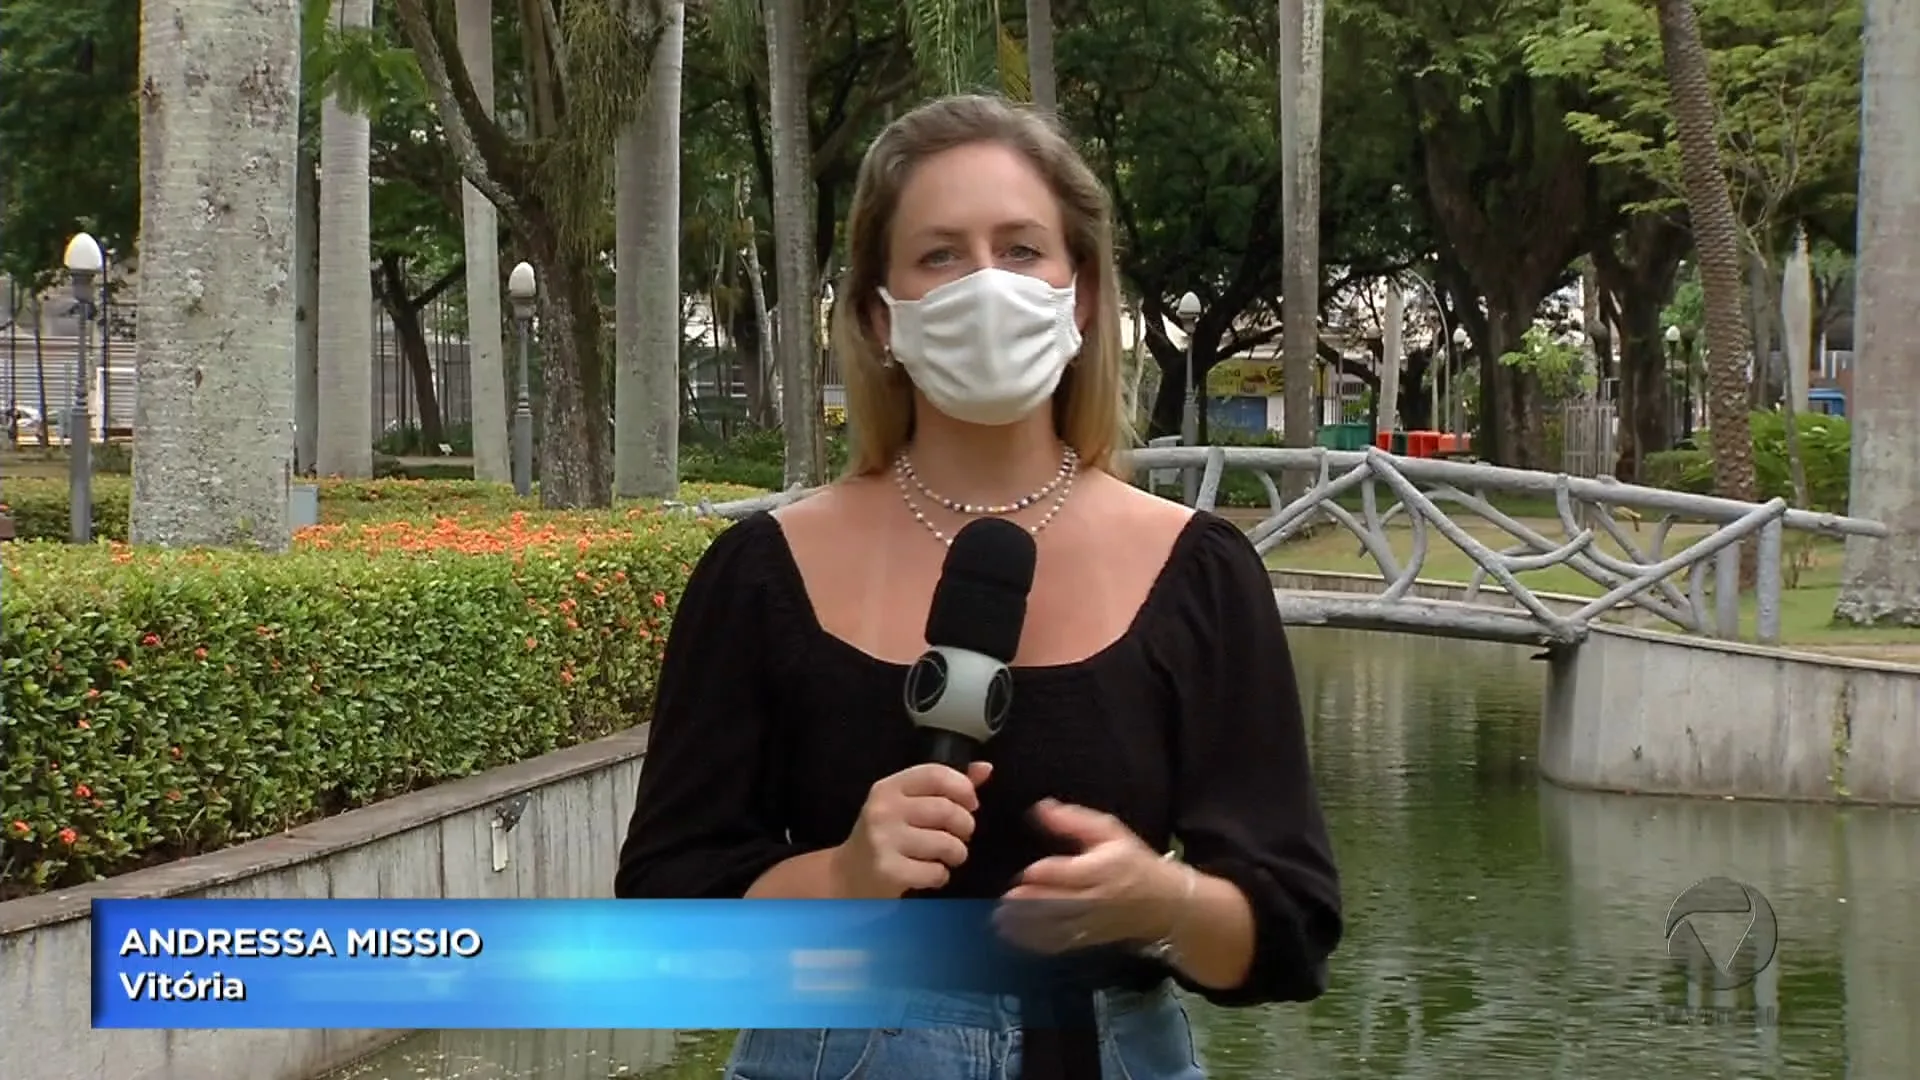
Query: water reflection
<point>1499,927</point>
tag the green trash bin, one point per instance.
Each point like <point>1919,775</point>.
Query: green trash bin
<point>1346,436</point>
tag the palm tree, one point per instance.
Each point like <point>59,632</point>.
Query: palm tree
<point>646,388</point>
<point>1882,582</point>
<point>795,330</point>
<point>344,441</point>
<point>1301,40</point>
<point>1716,235</point>
<point>213,453</point>
<point>1041,76</point>
<point>486,357</point>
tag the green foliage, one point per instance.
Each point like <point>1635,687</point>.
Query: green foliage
<point>1560,365</point>
<point>39,506</point>
<point>754,458</point>
<point>69,130</point>
<point>161,704</point>
<point>1787,86</point>
<point>1825,443</point>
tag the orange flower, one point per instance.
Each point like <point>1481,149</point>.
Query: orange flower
<point>22,828</point>
<point>82,791</point>
<point>69,837</point>
<point>82,724</point>
<point>659,599</point>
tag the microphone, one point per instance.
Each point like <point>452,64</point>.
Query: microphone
<point>959,690</point>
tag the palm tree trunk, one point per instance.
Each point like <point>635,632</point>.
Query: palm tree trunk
<point>486,354</point>
<point>345,437</point>
<point>795,336</point>
<point>646,399</point>
<point>1041,77</point>
<point>306,345</point>
<point>1717,237</point>
<point>1882,578</point>
<point>1300,53</point>
<point>213,453</point>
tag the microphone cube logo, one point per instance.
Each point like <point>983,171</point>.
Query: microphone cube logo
<point>1721,969</point>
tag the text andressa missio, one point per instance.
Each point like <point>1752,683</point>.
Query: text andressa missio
<point>294,943</point>
<point>380,942</point>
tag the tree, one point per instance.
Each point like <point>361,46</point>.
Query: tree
<point>213,450</point>
<point>1882,582</point>
<point>587,63</point>
<point>1785,84</point>
<point>1509,191</point>
<point>69,131</point>
<point>647,283</point>
<point>1716,236</point>
<point>796,334</point>
<point>1300,88</point>
<point>345,438</point>
<point>1042,78</point>
<point>486,351</point>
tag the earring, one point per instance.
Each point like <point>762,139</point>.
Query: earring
<point>886,357</point>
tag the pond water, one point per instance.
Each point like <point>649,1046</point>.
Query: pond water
<point>1497,926</point>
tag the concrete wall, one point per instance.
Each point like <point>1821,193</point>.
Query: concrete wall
<point>1641,711</point>
<point>1648,711</point>
<point>573,807</point>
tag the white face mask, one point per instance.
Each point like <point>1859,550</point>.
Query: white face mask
<point>989,348</point>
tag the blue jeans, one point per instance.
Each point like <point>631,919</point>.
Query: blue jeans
<point>1143,1036</point>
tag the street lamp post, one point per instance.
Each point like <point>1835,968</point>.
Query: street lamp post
<point>1460,342</point>
<point>521,289</point>
<point>84,262</point>
<point>1676,361</point>
<point>1189,312</point>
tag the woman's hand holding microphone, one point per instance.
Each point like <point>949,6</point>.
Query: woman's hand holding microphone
<point>914,830</point>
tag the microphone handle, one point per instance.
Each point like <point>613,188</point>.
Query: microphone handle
<point>951,749</point>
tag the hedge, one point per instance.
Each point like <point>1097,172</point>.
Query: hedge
<point>160,704</point>
<point>40,508</point>
<point>1826,448</point>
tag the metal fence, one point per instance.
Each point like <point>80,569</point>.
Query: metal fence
<point>1588,431</point>
<point>40,346</point>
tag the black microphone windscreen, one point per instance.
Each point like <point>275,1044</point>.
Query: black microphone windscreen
<point>980,603</point>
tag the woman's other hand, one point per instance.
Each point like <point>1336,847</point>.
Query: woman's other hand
<point>912,832</point>
<point>1114,889</point>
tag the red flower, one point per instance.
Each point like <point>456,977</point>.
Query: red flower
<point>660,599</point>
<point>82,791</point>
<point>69,837</point>
<point>22,828</point>
<point>150,640</point>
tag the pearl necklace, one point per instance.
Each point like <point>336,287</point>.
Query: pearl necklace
<point>1062,483</point>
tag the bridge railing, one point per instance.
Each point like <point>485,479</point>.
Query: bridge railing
<point>1671,586</point>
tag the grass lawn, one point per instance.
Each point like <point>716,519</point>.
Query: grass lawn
<point>1806,610</point>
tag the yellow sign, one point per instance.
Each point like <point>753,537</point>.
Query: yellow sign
<point>1244,378</point>
<point>836,415</point>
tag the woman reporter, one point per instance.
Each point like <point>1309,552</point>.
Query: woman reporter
<point>1154,699</point>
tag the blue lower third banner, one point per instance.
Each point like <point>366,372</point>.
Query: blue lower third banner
<point>538,964</point>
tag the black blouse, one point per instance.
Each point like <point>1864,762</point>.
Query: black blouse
<point>768,733</point>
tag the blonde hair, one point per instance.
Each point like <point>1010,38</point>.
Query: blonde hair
<point>1088,407</point>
